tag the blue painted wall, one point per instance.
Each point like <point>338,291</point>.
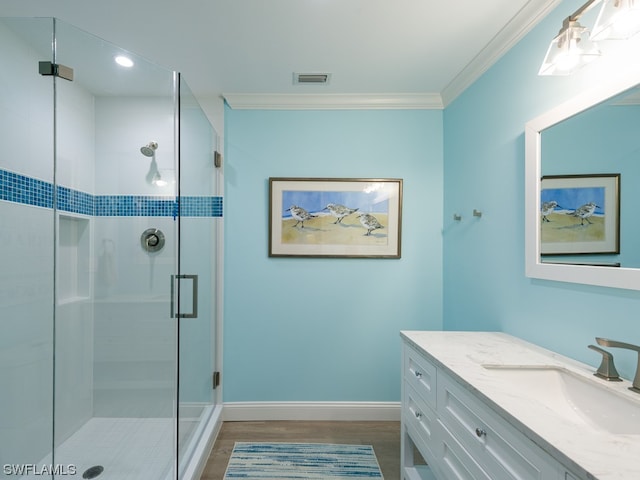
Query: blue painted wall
<point>327,329</point>
<point>299,329</point>
<point>485,287</point>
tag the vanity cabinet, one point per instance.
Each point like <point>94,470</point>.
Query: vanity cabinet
<point>458,434</point>
<point>419,418</point>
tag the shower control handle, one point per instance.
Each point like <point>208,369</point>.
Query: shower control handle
<point>194,302</point>
<point>153,240</point>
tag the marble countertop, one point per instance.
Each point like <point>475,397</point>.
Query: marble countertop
<point>587,451</point>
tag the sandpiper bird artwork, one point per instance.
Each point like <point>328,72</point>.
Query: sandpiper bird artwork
<point>584,212</point>
<point>339,211</point>
<point>300,215</point>
<point>547,208</point>
<point>369,222</point>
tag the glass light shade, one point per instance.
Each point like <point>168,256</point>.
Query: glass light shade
<point>124,61</point>
<point>617,20</point>
<point>570,50</point>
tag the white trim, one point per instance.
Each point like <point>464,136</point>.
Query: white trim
<point>202,450</point>
<point>605,87</point>
<point>342,411</point>
<point>522,22</point>
<point>401,101</point>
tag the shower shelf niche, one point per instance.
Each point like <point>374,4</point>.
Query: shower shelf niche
<point>74,254</point>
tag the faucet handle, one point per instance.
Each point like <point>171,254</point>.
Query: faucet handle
<point>607,369</point>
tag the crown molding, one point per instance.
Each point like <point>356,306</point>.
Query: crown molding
<point>521,23</point>
<point>401,101</point>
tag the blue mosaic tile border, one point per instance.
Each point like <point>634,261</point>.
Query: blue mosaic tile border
<point>200,206</point>
<point>31,191</point>
<point>135,206</point>
<point>20,189</point>
<point>74,201</point>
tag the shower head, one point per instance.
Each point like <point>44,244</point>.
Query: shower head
<point>149,149</point>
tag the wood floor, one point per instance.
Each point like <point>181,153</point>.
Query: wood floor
<point>383,436</point>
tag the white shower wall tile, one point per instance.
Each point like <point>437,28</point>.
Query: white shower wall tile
<point>135,336</point>
<point>197,143</point>
<point>75,137</point>
<point>123,268</point>
<point>73,367</point>
<point>123,125</point>
<point>26,112</point>
<point>26,343</point>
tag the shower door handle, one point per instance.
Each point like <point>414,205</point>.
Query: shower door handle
<point>194,304</point>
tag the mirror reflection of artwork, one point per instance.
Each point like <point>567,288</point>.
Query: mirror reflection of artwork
<point>579,214</point>
<point>600,138</point>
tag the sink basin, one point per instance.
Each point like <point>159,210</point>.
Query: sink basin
<point>575,398</point>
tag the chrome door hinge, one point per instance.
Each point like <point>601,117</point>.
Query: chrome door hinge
<point>55,69</point>
<point>216,379</point>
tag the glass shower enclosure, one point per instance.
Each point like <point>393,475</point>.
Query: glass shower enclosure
<point>108,226</point>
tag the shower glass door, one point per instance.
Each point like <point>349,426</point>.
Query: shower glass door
<point>107,254</point>
<point>199,208</point>
<point>117,244</point>
<point>26,248</point>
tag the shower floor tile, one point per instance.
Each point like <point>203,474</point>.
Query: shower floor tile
<point>127,448</point>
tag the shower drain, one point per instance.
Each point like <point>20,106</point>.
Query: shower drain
<point>93,472</point>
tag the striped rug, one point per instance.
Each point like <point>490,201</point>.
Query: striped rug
<point>302,461</point>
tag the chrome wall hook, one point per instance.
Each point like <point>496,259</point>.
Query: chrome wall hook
<point>477,213</point>
<point>457,217</point>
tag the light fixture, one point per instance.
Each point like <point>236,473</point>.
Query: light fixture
<point>124,61</point>
<point>617,20</point>
<point>574,47</point>
<point>571,49</point>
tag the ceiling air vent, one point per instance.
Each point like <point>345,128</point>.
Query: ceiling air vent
<point>311,78</point>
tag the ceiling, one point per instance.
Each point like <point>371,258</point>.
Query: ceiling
<point>417,49</point>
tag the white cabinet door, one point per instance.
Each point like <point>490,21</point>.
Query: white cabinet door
<point>499,448</point>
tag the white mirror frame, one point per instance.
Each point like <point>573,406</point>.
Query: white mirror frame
<point>616,277</point>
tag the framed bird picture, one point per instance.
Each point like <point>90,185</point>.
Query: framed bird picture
<point>335,217</point>
<point>580,214</point>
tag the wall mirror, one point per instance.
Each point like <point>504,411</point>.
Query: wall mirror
<point>591,137</point>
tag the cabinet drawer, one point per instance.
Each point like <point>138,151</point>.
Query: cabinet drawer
<point>421,375</point>
<point>455,462</point>
<point>418,415</point>
<point>499,449</point>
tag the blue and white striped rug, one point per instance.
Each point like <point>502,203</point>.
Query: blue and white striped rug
<point>302,461</point>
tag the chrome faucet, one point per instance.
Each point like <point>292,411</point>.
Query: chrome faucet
<point>612,343</point>
<point>607,369</point>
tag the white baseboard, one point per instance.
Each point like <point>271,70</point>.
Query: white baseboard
<point>340,411</point>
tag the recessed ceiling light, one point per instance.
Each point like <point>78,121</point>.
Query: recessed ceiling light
<point>124,61</point>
